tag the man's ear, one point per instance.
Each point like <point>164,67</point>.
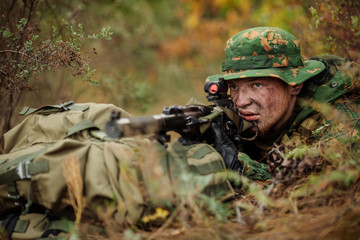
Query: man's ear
<point>295,90</point>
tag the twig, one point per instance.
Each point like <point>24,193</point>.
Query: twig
<point>18,52</point>
<point>352,131</point>
<point>354,126</point>
<point>238,215</point>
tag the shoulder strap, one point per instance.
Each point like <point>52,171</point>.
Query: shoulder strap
<point>25,168</point>
<point>336,80</point>
<point>82,125</point>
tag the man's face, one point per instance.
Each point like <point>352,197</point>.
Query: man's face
<point>268,101</point>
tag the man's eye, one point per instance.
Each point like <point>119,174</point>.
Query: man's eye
<point>257,85</point>
<point>233,87</point>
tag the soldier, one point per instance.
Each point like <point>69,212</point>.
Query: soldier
<point>271,84</point>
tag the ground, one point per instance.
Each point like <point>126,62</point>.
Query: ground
<point>340,219</point>
<point>333,216</point>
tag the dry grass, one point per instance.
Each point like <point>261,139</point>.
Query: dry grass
<point>74,182</point>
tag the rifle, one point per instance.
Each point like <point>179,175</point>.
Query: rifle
<point>190,121</point>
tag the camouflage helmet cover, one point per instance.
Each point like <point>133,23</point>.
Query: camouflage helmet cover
<point>266,52</point>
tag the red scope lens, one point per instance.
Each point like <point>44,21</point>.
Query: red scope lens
<point>213,88</point>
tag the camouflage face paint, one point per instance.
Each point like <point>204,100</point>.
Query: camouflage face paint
<point>268,101</point>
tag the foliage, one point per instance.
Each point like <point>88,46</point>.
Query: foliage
<point>25,54</point>
<point>339,24</point>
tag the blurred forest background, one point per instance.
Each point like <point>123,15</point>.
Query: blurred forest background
<point>143,55</point>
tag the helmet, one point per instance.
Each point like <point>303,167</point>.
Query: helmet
<point>266,52</point>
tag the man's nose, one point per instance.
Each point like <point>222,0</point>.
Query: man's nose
<point>243,99</point>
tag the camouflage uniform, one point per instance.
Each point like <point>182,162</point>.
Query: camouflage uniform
<point>273,52</point>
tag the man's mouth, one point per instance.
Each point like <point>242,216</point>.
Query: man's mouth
<point>249,116</point>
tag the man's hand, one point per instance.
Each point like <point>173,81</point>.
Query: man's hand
<point>226,148</point>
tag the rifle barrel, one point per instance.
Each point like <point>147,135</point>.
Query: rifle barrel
<point>127,127</point>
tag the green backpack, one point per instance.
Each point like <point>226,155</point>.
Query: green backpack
<point>60,153</point>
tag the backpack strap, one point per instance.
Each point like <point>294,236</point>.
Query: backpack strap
<point>94,131</point>
<point>82,125</point>
<point>35,226</point>
<point>9,223</point>
<point>25,168</point>
<point>336,80</point>
<point>21,226</point>
<point>41,226</point>
<point>49,109</point>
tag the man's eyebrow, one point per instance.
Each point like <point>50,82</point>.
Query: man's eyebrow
<point>233,81</point>
<point>255,79</point>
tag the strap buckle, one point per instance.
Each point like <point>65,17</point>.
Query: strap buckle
<point>22,170</point>
<point>65,105</point>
